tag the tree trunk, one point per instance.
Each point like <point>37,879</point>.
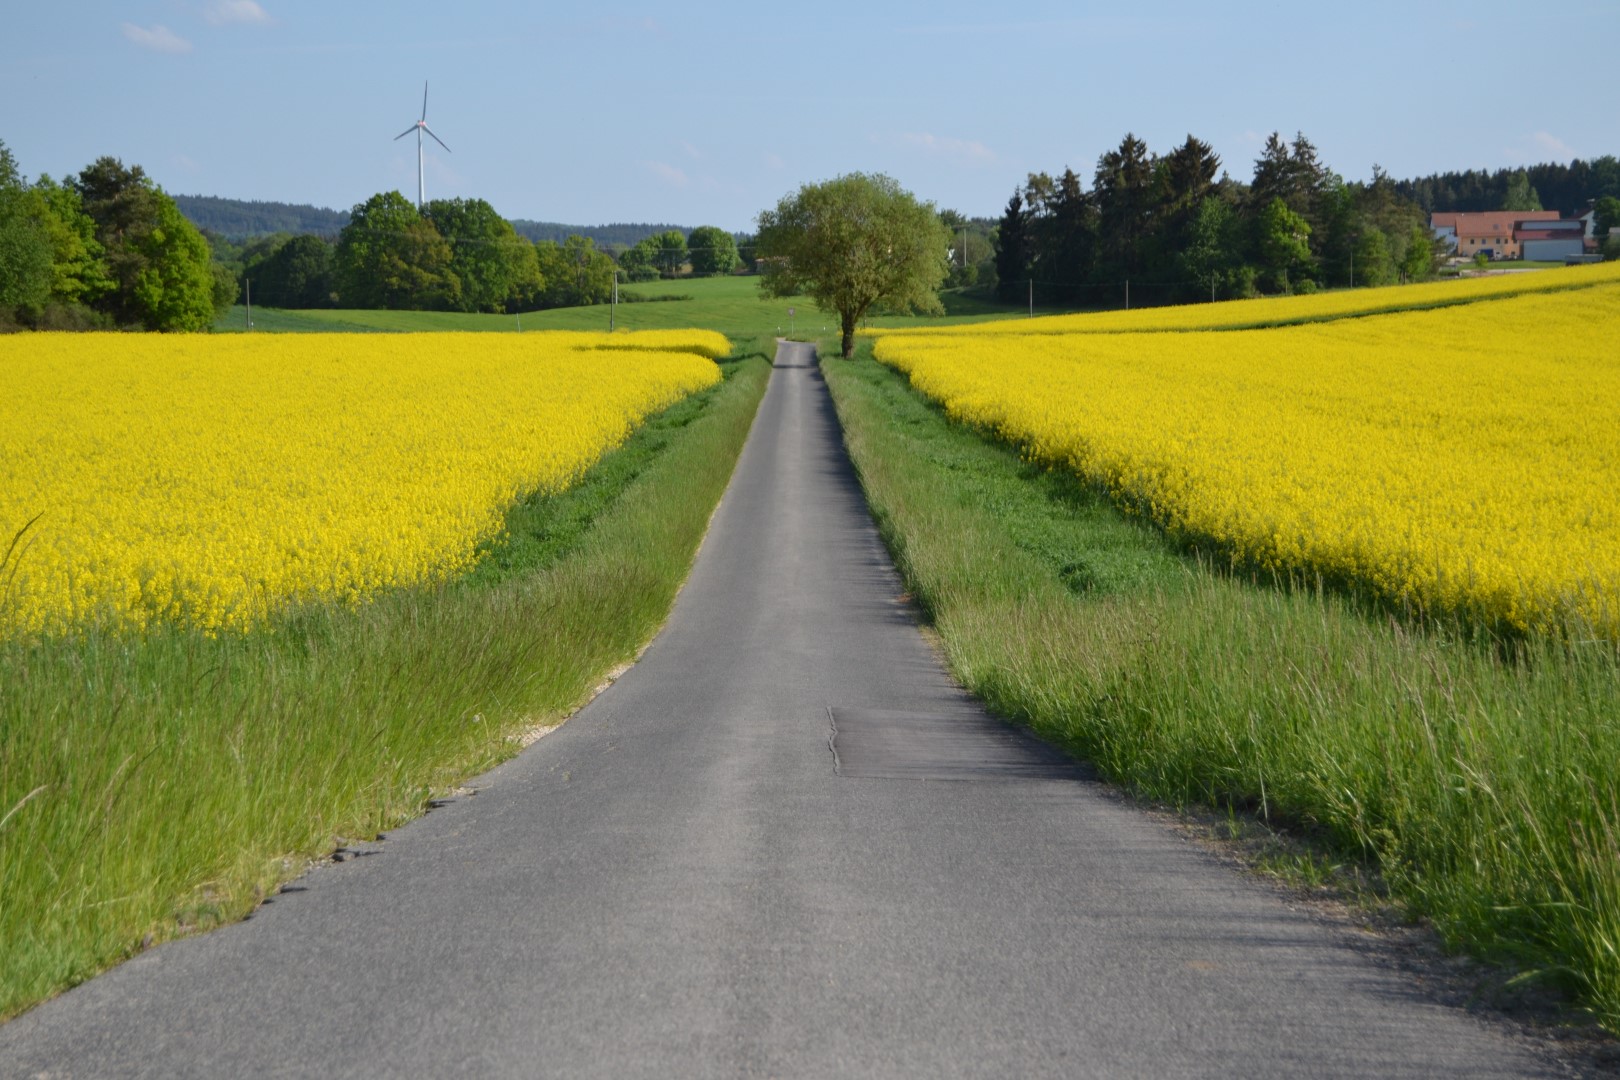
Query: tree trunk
<point>848,320</point>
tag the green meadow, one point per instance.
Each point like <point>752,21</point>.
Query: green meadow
<point>731,305</point>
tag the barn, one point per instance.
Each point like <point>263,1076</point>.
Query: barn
<point>1550,240</point>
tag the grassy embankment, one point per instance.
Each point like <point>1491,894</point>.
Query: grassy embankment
<point>177,778</point>
<point>1472,783</point>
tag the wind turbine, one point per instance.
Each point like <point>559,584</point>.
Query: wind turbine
<point>419,127</point>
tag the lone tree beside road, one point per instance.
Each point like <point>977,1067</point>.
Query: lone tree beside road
<point>853,242</point>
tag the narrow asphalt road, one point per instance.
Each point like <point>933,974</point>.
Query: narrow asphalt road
<point>782,845</point>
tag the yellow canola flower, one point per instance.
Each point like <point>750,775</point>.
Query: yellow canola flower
<point>213,480</point>
<point>1283,310</point>
<point>1463,459</point>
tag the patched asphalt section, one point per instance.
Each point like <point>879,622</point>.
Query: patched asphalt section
<point>678,883</point>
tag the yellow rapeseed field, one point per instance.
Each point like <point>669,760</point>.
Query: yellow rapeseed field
<point>1464,459</point>
<point>1283,310</point>
<point>212,480</point>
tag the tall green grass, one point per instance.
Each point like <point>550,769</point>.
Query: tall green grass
<point>1483,782</point>
<point>153,785</point>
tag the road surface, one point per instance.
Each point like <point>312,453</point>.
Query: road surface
<point>783,844</point>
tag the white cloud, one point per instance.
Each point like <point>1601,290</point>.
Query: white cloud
<point>774,161</point>
<point>960,149</point>
<point>691,151</point>
<point>225,12</point>
<point>157,38</point>
<point>667,173</point>
<point>1552,144</point>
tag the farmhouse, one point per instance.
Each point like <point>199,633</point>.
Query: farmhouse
<point>1491,231</point>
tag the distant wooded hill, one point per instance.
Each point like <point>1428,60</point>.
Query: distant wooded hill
<point>612,237</point>
<point>243,219</point>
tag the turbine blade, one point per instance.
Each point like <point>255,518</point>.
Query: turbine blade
<point>424,99</point>
<point>435,137</point>
<point>404,133</point>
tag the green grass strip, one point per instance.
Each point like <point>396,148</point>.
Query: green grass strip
<point>152,787</point>
<point>1483,787</point>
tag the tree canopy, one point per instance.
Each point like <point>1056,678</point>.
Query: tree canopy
<point>296,274</point>
<point>1284,246</point>
<point>25,249</point>
<point>1568,188</point>
<point>158,268</point>
<point>574,272</point>
<point>390,256</point>
<point>1606,215</point>
<point>712,250</point>
<point>851,243</point>
<point>494,264</point>
<point>1175,228</point>
<point>660,255</point>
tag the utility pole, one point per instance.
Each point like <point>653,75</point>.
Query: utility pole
<point>613,308</point>
<point>1127,294</point>
<point>248,317</point>
<point>1352,268</point>
<point>1032,298</point>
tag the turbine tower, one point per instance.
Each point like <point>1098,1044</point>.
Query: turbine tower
<point>419,127</point>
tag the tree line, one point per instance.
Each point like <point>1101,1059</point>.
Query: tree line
<point>245,221</point>
<point>106,249</point>
<point>1175,227</point>
<point>455,255</point>
<point>1569,189</point>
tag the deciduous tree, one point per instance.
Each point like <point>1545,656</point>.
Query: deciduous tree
<point>486,253</point>
<point>25,246</point>
<point>575,273</point>
<point>712,250</point>
<point>297,275</point>
<point>1213,247</point>
<point>1606,215</point>
<point>1520,194</point>
<point>390,256</point>
<point>853,242</point>
<point>1421,255</point>
<point>668,250</point>
<point>1374,264</point>
<point>159,263</point>
<point>1284,241</point>
<point>78,273</point>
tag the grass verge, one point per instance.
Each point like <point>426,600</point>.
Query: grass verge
<point>1481,786</point>
<point>150,787</point>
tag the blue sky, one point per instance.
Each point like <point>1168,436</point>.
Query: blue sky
<point>705,113</point>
